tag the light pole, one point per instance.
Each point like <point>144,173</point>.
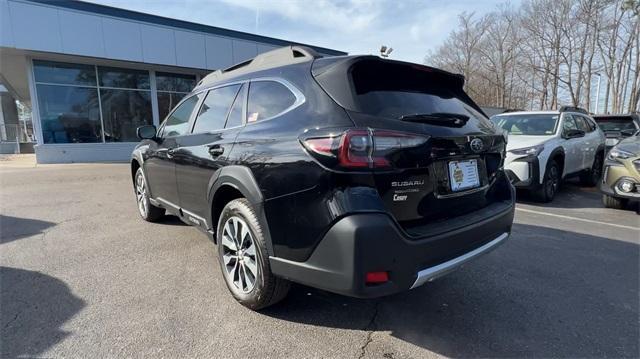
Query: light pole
<point>598,92</point>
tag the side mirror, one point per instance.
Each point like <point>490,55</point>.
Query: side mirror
<point>574,133</point>
<point>146,132</point>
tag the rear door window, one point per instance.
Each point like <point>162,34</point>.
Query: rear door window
<point>235,115</point>
<point>268,99</point>
<point>569,123</point>
<point>215,107</point>
<point>592,125</point>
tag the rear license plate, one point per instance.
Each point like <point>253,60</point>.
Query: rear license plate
<point>463,175</point>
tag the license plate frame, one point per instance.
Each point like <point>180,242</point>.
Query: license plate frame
<point>463,175</point>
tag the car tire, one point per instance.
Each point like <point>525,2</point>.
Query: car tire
<point>550,183</point>
<point>613,202</point>
<point>244,260</point>
<point>593,175</point>
<point>147,211</point>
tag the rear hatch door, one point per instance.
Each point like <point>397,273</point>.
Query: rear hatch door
<point>448,176</point>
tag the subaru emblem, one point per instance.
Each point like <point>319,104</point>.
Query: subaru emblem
<point>476,145</point>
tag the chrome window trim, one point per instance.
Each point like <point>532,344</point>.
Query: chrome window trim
<point>300,98</point>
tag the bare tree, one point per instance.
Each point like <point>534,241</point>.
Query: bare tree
<point>545,52</point>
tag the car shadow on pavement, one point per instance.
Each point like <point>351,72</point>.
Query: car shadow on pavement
<point>545,293</point>
<point>33,309</point>
<point>570,195</point>
<point>13,228</point>
<point>171,220</point>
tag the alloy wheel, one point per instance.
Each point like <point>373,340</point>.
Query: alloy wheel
<point>239,254</point>
<point>141,195</point>
<point>551,185</point>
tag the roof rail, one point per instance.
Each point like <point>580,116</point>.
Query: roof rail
<point>573,109</point>
<point>279,57</point>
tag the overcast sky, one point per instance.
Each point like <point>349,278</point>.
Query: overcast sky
<point>411,27</point>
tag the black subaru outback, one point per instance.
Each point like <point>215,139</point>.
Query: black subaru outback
<point>354,174</point>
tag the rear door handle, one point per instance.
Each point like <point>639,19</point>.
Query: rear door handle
<point>216,150</point>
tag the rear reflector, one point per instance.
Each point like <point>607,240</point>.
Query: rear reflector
<point>376,277</point>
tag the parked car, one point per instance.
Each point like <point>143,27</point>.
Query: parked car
<point>618,127</point>
<point>546,147</point>
<point>621,179</point>
<point>355,174</point>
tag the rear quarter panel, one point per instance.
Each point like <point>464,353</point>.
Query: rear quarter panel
<point>294,187</point>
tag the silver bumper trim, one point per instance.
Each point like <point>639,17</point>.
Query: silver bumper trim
<point>431,273</point>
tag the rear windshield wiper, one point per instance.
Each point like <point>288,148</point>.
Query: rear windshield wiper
<point>437,118</point>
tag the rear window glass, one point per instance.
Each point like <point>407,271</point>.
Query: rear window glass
<point>527,124</point>
<point>390,90</point>
<point>616,124</point>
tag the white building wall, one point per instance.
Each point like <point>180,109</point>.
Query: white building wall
<point>158,44</point>
<point>43,27</point>
<point>6,28</point>
<point>81,43</point>
<point>84,152</point>
<point>36,29</point>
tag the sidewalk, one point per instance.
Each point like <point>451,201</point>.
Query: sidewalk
<point>18,160</point>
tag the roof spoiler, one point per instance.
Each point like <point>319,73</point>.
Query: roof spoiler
<point>331,73</point>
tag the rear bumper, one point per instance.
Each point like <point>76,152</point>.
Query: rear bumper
<point>372,242</point>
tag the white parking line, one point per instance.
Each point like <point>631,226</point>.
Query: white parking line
<point>576,219</point>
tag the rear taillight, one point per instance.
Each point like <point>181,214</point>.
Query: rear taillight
<point>362,148</point>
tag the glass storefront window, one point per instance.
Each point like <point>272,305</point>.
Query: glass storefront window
<point>70,97</point>
<point>123,78</point>
<point>69,114</point>
<point>123,111</point>
<point>64,74</point>
<point>175,82</point>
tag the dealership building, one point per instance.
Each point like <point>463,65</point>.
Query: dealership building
<point>92,74</point>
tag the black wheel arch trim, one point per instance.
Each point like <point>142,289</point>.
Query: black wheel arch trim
<point>558,151</point>
<point>240,178</point>
<point>137,157</point>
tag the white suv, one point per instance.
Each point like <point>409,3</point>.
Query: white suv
<point>547,146</point>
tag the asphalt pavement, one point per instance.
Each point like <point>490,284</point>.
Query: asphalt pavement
<point>81,275</point>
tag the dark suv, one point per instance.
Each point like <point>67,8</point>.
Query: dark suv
<point>354,174</point>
